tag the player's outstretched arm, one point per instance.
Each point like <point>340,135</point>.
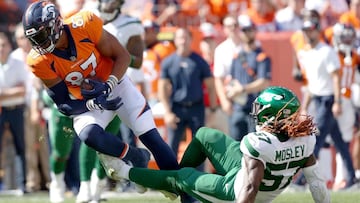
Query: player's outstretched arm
<point>317,184</point>
<point>254,173</point>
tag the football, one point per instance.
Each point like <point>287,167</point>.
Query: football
<point>86,86</point>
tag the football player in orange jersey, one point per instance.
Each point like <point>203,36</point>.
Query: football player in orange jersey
<point>65,55</point>
<point>344,37</point>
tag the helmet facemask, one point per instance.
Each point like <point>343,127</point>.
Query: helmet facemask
<point>44,40</point>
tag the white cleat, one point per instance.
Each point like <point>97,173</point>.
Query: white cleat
<point>57,192</point>
<point>112,165</point>
<point>84,194</point>
<point>97,188</point>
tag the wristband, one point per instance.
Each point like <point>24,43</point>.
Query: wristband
<point>112,81</point>
<point>90,104</point>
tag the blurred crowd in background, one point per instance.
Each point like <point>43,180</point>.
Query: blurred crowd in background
<point>221,31</point>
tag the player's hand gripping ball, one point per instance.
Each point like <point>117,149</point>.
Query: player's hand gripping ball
<point>85,85</point>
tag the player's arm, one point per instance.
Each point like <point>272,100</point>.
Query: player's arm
<point>135,47</point>
<point>317,184</point>
<point>59,93</point>
<point>109,46</point>
<point>254,172</point>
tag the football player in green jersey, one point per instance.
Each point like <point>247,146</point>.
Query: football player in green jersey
<point>257,169</point>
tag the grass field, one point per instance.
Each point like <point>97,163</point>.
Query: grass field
<point>155,197</point>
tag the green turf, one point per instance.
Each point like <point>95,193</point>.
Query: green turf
<point>344,197</point>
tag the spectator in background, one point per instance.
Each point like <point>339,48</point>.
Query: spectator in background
<point>208,43</point>
<point>13,80</point>
<point>290,17</point>
<point>321,66</point>
<point>250,73</point>
<point>298,42</point>
<point>343,42</point>
<point>156,50</point>
<point>10,14</point>
<point>219,9</point>
<point>262,14</point>
<point>329,10</point>
<point>36,139</point>
<point>181,89</point>
<point>223,56</point>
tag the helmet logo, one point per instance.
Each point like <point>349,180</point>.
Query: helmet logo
<point>48,12</point>
<point>268,96</point>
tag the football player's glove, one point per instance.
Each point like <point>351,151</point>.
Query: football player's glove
<point>98,87</point>
<point>102,102</point>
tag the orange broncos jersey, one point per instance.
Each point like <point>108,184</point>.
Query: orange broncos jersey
<point>347,73</point>
<point>80,61</point>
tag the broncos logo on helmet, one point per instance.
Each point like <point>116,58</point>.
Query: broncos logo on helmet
<point>42,26</point>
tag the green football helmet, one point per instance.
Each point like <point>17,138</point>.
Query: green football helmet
<point>274,103</point>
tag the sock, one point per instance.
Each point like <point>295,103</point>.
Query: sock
<point>136,156</point>
<point>95,137</point>
<point>87,158</point>
<point>325,163</point>
<point>357,173</point>
<point>124,172</point>
<point>163,154</point>
<point>341,172</point>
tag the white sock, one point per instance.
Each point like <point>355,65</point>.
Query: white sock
<point>341,172</point>
<point>124,172</point>
<point>357,173</point>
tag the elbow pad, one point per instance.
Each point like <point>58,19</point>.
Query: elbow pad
<point>317,184</point>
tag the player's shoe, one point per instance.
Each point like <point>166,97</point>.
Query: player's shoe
<point>57,191</point>
<point>97,186</point>
<point>84,194</point>
<point>113,166</point>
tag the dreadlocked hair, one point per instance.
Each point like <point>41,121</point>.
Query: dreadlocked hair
<point>295,125</point>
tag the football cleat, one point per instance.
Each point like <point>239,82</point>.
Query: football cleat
<point>113,166</point>
<point>57,191</point>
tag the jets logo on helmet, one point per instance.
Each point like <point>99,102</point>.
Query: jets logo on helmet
<point>42,26</point>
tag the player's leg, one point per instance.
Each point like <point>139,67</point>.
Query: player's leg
<point>61,138</point>
<point>98,181</point>
<point>137,114</point>
<point>209,143</point>
<point>90,127</point>
<point>203,186</point>
<point>346,123</point>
